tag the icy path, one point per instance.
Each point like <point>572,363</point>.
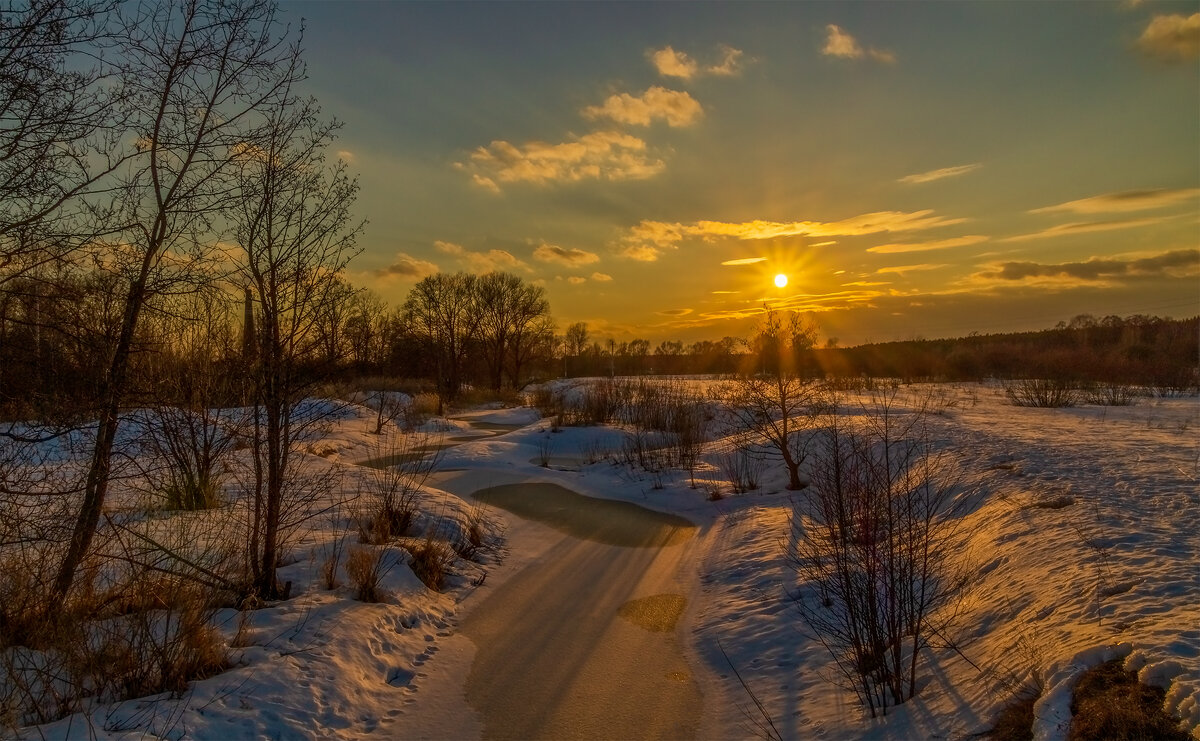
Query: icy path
<point>581,637</point>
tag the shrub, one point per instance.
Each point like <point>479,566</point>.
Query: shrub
<point>431,561</point>
<point>876,544</point>
<point>394,486</point>
<point>741,468</point>
<point>1015,722</point>
<point>1111,705</point>
<point>1041,392</point>
<point>364,567</point>
<point>468,544</point>
<point>1110,395</point>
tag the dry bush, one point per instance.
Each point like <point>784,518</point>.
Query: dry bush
<point>1110,704</point>
<point>431,561</point>
<point>1110,395</point>
<point>192,446</point>
<point>476,396</point>
<point>389,506</point>
<point>1041,392</point>
<point>142,634</point>
<point>740,467</point>
<point>877,546</point>
<point>365,569</point>
<point>468,544</point>
<point>1015,721</point>
<point>425,405</point>
<point>551,404</point>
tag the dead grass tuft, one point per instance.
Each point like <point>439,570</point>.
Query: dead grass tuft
<point>431,561</point>
<point>1111,705</point>
<point>364,567</point>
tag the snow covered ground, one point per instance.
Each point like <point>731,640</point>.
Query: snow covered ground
<point>1086,542</point>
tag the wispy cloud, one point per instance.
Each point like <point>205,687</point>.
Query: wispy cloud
<point>601,277</point>
<point>482,262</point>
<point>1178,263</point>
<point>941,244</point>
<point>675,312</point>
<point>945,172</point>
<point>576,280</point>
<point>840,44</point>
<point>902,269</point>
<point>730,63</point>
<point>1128,200</point>
<point>672,63</point>
<point>648,239</point>
<point>600,155</point>
<point>1172,38</point>
<point>676,107</point>
<point>569,256</point>
<point>745,261</point>
<point>346,156</point>
<point>1063,230</point>
<point>405,265</point>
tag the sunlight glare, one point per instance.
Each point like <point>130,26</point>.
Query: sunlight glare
<point>780,280</point>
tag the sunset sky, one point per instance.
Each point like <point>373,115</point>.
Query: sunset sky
<point>915,169</point>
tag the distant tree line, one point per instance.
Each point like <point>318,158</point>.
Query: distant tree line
<point>1135,350</point>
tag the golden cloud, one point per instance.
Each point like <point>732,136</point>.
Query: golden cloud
<point>676,107</point>
<point>902,269</point>
<point>601,277</point>
<point>576,280</point>
<point>482,262</point>
<point>1128,200</point>
<point>945,172</point>
<point>1172,38</point>
<point>600,155</point>
<point>569,256</point>
<point>838,43</point>
<point>671,63</point>
<point>730,64</point>
<point>646,240</point>
<point>407,266</point>
<point>1062,230</point>
<point>745,261</point>
<point>641,253</point>
<point>941,244</point>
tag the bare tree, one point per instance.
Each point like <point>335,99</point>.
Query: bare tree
<point>57,129</point>
<point>878,546</point>
<point>183,432</point>
<point>293,221</point>
<point>366,330</point>
<point>193,76</point>
<point>510,312</point>
<point>533,344</point>
<point>778,409</point>
<point>442,311</point>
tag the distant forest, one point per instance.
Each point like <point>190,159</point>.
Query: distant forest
<point>46,370</point>
<point>1137,350</point>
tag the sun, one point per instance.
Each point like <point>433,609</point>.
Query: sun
<point>780,280</point>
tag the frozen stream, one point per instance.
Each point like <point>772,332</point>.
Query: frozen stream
<point>585,641</point>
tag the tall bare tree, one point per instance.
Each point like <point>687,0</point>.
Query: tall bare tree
<point>58,130</point>
<point>294,224</point>
<point>194,75</point>
<point>442,310</point>
<point>510,310</point>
